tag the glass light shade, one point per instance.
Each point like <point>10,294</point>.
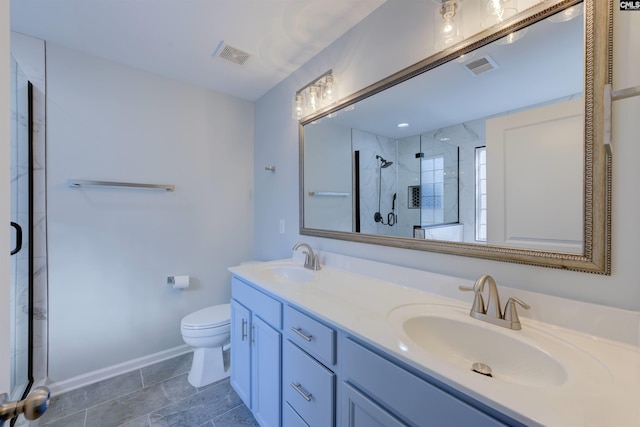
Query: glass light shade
<point>316,95</point>
<point>567,14</point>
<point>493,12</point>
<point>512,37</point>
<point>447,22</point>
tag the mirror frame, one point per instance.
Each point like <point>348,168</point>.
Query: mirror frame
<point>596,256</point>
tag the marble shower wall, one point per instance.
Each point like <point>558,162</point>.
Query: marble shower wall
<point>408,176</point>
<point>19,265</point>
<point>370,145</point>
<point>29,53</point>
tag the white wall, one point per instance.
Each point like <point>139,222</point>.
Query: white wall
<point>389,39</point>
<point>5,195</point>
<point>331,153</point>
<point>111,250</point>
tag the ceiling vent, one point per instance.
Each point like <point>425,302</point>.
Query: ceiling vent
<point>481,65</point>
<point>231,54</point>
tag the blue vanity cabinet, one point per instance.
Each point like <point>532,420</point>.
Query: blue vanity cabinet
<point>241,351</point>
<point>308,378</point>
<point>360,411</point>
<point>371,382</point>
<point>256,351</point>
<point>294,369</point>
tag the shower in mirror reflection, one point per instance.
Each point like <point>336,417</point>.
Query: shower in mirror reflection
<point>391,216</point>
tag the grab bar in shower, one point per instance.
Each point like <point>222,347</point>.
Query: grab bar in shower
<point>77,183</point>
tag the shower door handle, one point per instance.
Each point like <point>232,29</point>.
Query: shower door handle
<point>18,238</point>
<point>32,407</point>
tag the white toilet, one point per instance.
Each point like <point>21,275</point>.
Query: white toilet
<point>207,331</point>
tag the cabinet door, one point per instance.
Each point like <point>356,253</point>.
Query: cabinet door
<point>240,352</point>
<point>265,366</point>
<point>359,411</point>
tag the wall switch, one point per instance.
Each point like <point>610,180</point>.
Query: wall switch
<point>282,226</point>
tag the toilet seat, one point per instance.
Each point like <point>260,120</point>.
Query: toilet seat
<point>208,318</point>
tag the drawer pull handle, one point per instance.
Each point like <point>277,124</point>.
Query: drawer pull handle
<point>243,334</point>
<point>302,334</point>
<point>298,387</point>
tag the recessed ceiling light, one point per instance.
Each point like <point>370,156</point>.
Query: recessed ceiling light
<point>402,125</point>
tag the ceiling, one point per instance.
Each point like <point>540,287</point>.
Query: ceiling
<point>546,64</point>
<point>178,38</point>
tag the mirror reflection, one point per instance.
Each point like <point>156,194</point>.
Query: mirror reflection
<point>486,149</point>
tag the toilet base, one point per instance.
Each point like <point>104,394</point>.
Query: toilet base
<point>207,367</point>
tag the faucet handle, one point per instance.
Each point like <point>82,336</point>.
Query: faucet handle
<point>511,314</point>
<point>307,258</point>
<point>478,301</point>
<point>316,262</point>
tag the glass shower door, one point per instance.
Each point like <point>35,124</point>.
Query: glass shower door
<point>21,218</point>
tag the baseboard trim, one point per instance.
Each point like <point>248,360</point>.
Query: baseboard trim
<point>59,387</point>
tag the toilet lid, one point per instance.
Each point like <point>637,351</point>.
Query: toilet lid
<point>209,317</point>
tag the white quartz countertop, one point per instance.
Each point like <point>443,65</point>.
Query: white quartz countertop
<point>602,387</point>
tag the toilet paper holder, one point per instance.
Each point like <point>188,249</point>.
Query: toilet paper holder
<point>179,282</point>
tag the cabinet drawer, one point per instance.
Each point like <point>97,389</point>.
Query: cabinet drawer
<point>311,335</point>
<point>359,411</point>
<point>261,304</point>
<point>291,419</point>
<point>308,387</point>
<point>410,397</point>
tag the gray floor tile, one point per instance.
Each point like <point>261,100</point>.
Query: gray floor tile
<point>166,369</point>
<point>177,388</point>
<point>73,420</point>
<point>143,421</point>
<point>237,417</point>
<point>197,409</point>
<point>169,401</point>
<point>94,394</point>
<point>126,408</point>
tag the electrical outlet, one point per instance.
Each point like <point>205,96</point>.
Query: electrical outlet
<point>282,226</point>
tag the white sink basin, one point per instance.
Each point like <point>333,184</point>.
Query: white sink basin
<point>287,273</point>
<point>528,357</point>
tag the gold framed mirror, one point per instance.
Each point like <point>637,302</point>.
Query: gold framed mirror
<point>507,165</point>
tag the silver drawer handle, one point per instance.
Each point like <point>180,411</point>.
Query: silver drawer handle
<point>243,330</point>
<point>297,387</point>
<point>302,334</point>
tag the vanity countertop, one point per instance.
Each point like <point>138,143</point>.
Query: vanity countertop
<point>602,386</point>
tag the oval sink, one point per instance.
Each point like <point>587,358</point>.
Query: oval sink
<point>287,273</point>
<point>527,357</point>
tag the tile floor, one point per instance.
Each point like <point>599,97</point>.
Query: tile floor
<point>158,395</point>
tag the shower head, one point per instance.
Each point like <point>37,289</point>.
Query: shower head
<point>384,164</point>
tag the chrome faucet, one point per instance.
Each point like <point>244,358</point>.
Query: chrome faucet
<point>491,312</point>
<point>310,260</point>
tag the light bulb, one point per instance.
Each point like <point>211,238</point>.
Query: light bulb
<point>313,97</point>
<point>446,24</point>
<point>494,12</point>
<point>329,85</point>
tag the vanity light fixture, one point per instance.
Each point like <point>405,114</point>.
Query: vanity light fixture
<point>493,12</point>
<point>321,92</point>
<point>402,125</point>
<point>447,24</point>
